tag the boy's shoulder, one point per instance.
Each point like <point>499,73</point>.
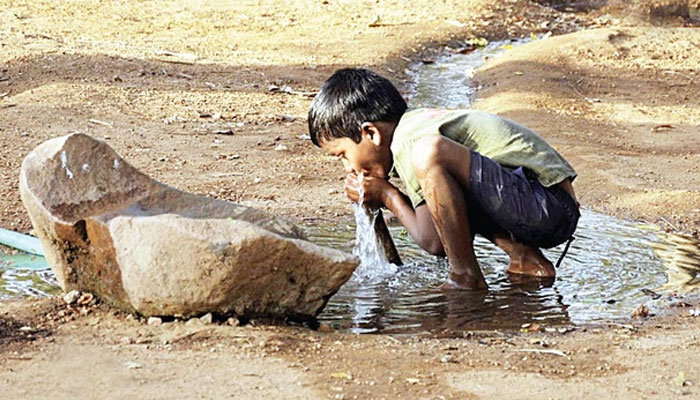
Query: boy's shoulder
<point>419,122</point>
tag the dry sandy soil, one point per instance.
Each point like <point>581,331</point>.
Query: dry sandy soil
<point>156,79</point>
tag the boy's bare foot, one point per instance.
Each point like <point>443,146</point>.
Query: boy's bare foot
<point>463,282</point>
<point>530,261</point>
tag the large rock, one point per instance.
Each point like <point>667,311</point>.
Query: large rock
<point>109,229</point>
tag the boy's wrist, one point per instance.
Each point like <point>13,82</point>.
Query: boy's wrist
<point>388,195</point>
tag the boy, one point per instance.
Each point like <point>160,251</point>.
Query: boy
<point>465,172</point>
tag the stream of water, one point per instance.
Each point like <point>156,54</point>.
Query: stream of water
<point>373,260</point>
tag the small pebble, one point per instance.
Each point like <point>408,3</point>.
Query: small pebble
<point>132,365</point>
<point>207,318</point>
<point>233,321</point>
<point>71,297</point>
<point>155,321</point>
<point>447,359</point>
<point>86,299</point>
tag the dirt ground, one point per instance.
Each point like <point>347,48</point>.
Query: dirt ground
<point>158,79</point>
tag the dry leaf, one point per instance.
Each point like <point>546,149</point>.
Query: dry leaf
<point>341,375</point>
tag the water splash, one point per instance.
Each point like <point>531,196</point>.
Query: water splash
<point>373,261</point>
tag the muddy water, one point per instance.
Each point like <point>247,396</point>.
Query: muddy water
<point>612,267</point>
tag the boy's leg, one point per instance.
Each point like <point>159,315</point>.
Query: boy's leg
<point>524,259</point>
<point>442,168</point>
<point>519,215</point>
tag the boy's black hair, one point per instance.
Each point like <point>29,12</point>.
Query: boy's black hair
<point>349,98</point>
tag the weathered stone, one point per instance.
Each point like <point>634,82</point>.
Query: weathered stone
<point>71,297</point>
<point>154,321</point>
<point>207,318</point>
<point>148,248</point>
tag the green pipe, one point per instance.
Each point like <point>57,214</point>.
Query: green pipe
<point>19,241</point>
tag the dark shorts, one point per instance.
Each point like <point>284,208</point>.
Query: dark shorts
<point>501,200</point>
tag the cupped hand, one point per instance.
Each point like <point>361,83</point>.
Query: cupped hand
<point>375,190</point>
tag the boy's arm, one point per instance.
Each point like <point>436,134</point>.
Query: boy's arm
<point>418,222</point>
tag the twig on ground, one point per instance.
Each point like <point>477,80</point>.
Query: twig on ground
<point>98,122</point>
<point>669,224</point>
<point>182,75</point>
<point>179,58</point>
<point>619,325</point>
<point>393,339</point>
<point>178,55</point>
<point>671,72</point>
<point>289,90</point>
<point>545,351</point>
<point>588,99</point>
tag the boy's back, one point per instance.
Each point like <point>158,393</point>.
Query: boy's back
<point>504,141</point>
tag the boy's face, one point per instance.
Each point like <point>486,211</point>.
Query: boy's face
<point>371,156</point>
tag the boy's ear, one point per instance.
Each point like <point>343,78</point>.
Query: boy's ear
<point>373,133</point>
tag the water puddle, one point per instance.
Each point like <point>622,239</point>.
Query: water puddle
<point>25,275</point>
<point>612,267</point>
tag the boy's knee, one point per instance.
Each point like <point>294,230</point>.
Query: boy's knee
<point>426,154</point>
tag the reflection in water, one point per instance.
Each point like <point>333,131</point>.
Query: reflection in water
<point>604,276</point>
<point>681,255</point>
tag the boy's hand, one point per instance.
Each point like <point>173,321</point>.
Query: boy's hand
<point>376,190</point>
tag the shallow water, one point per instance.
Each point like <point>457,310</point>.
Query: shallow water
<point>25,275</point>
<point>446,83</point>
<point>601,278</point>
